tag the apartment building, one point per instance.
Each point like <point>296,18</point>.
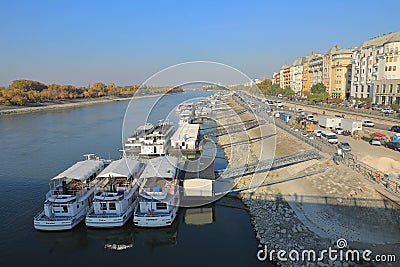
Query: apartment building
<point>284,74</point>
<point>296,75</point>
<point>372,65</point>
<point>340,76</point>
<point>306,78</point>
<point>315,65</point>
<point>387,84</point>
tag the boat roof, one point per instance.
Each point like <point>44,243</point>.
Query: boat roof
<point>165,167</point>
<point>121,168</point>
<point>81,170</point>
<point>187,132</point>
<point>202,168</point>
<point>148,126</point>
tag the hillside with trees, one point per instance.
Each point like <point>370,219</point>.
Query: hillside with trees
<point>25,92</point>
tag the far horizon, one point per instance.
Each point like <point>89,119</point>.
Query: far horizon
<point>125,43</point>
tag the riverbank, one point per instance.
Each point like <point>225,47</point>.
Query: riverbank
<point>313,212</point>
<point>66,104</point>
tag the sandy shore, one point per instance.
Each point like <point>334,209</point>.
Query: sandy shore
<point>312,212</point>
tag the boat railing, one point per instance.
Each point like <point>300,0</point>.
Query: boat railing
<point>41,215</point>
<point>123,189</point>
<point>79,191</point>
<point>104,214</point>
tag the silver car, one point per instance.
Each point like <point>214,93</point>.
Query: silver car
<point>375,142</point>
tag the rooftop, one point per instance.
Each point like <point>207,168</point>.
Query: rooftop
<point>81,170</point>
<point>381,40</point>
<point>165,167</point>
<point>124,167</point>
<point>187,132</point>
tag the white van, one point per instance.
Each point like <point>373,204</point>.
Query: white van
<point>329,137</point>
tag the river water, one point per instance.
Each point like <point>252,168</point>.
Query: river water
<point>37,146</point>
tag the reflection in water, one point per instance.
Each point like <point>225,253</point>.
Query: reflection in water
<point>200,216</point>
<point>114,239</point>
<point>159,237</point>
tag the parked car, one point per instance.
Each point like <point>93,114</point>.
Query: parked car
<point>317,133</point>
<point>395,129</point>
<point>393,145</point>
<point>376,141</point>
<point>368,123</point>
<point>387,111</point>
<point>344,146</point>
<point>337,130</point>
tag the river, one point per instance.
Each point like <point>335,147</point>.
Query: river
<point>38,146</point>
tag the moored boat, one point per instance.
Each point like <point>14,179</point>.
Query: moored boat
<point>70,195</point>
<point>115,199</point>
<point>159,193</point>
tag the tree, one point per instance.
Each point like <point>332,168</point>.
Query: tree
<point>318,97</point>
<point>288,92</point>
<point>27,85</point>
<point>318,88</point>
<point>395,107</point>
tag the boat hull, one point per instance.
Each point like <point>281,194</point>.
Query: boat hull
<point>44,224</point>
<point>98,221</point>
<point>155,221</point>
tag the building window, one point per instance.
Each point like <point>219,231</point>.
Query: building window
<point>394,68</point>
<point>390,68</point>
<point>395,59</point>
<point>383,88</point>
<point>377,89</point>
<point>376,61</point>
<point>398,88</point>
<point>387,59</point>
<point>390,59</point>
<point>385,68</point>
<point>161,206</point>
<point>391,88</point>
<point>370,61</point>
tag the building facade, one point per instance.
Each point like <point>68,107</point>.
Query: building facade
<point>284,74</point>
<point>306,78</point>
<point>373,63</point>
<point>276,78</point>
<point>296,75</point>
<point>387,84</point>
<point>315,68</point>
<point>340,83</point>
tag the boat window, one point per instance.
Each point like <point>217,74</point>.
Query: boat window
<point>103,206</point>
<point>161,206</point>
<point>112,206</point>
<point>65,208</point>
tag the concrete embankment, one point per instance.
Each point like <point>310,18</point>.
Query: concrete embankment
<point>313,212</point>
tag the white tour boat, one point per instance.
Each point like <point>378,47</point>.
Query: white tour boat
<point>158,194</point>
<point>134,142</point>
<point>116,198</point>
<point>157,142</point>
<point>70,195</point>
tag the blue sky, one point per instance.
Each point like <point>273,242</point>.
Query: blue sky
<point>77,42</point>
